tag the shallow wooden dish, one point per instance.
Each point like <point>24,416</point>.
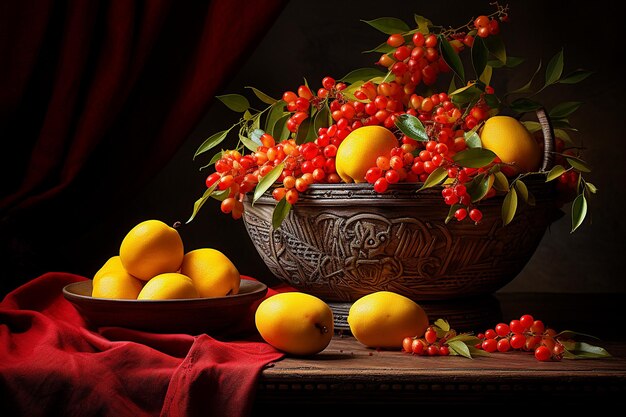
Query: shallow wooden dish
<point>192,316</point>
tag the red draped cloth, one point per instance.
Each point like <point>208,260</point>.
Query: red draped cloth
<point>52,364</point>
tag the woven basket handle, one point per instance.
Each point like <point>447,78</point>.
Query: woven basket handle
<point>548,139</point>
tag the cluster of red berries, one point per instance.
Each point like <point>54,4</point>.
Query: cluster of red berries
<point>525,334</point>
<point>314,162</point>
<point>373,104</point>
<point>419,60</point>
<point>431,344</point>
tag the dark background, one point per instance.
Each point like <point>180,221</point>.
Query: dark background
<point>80,229</point>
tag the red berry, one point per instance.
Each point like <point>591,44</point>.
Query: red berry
<point>518,341</point>
<point>381,185</point>
<point>489,345</point>
<point>526,320</point>
<point>373,174</point>
<point>406,344</point>
<point>433,350</point>
<point>503,345</point>
<point>476,215</point>
<point>543,353</point>
<point>516,326</point>
<point>537,327</point>
<point>395,40</point>
<point>444,350</point>
<point>328,83</point>
<point>460,214</point>
<point>392,176</point>
<point>430,336</point>
<point>490,334</point>
<point>502,329</point>
<point>417,347</point>
<point>481,21</point>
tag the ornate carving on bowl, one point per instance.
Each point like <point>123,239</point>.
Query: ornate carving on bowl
<point>341,242</point>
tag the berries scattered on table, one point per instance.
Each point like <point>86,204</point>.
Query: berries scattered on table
<point>524,334</point>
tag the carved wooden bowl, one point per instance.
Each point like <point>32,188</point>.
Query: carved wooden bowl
<point>343,241</point>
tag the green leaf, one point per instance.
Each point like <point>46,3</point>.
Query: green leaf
<point>579,211</point>
<point>452,88</point>
<point>511,62</point>
<point>451,57</point>
<point>248,143</point>
<point>382,48</point>
<point>442,324</point>
<point>479,56</point>
<point>494,104</point>
<point>524,105</point>
<point>255,136</point>
<point>555,173</point>
<point>522,190</point>
<point>215,158</point>
<point>575,77</point>
<point>280,131</point>
<point>500,182</point>
<point>592,188</point>
<point>485,77</point>
<point>562,124</point>
<point>466,338</point>
<point>211,142</point>
<point>362,74</point>
<point>563,110</point>
<point>477,352</point>
<point>453,209</point>
<point>322,118</point>
<point>570,334</point>
<point>262,96</point>
<point>423,24</point>
<point>526,88</point>
<point>479,186</point>
<point>560,133</point>
<point>200,202</point>
<point>388,25</point>
<point>472,140</point>
<point>578,164</point>
<point>275,113</point>
<point>220,195</point>
<point>280,212</point>
<point>509,206</point>
<point>495,45</point>
<point>435,178</point>
<point>267,181</point>
<point>412,127</point>
<point>554,69</point>
<point>474,157</point>
<point>459,348</point>
<point>531,126</point>
<point>235,102</point>
<point>467,94</point>
<point>584,350</point>
<point>303,131</point>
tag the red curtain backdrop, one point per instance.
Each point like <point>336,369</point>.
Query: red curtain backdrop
<point>74,72</point>
<point>95,98</point>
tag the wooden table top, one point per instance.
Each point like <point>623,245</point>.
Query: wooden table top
<point>347,374</point>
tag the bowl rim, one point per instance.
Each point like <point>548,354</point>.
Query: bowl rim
<point>252,289</point>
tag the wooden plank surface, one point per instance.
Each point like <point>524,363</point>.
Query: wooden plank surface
<point>356,379</point>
